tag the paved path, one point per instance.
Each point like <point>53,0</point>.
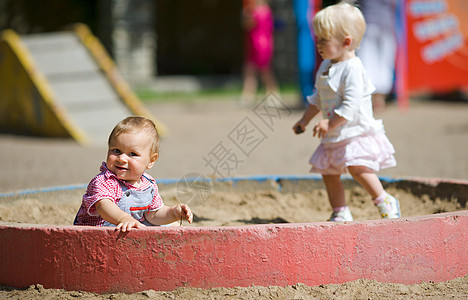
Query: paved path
<point>431,140</point>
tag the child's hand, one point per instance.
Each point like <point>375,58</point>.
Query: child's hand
<point>321,129</point>
<point>127,223</point>
<point>299,127</point>
<point>110,212</point>
<point>183,212</point>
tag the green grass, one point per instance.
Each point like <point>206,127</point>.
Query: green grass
<point>147,95</point>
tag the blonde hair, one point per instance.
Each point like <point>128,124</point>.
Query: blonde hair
<point>340,20</point>
<point>135,124</point>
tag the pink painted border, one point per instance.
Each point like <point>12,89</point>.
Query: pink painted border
<point>406,250</point>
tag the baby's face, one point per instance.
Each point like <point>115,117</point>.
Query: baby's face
<point>330,48</point>
<point>129,156</point>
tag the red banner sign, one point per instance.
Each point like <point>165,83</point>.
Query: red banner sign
<point>437,32</point>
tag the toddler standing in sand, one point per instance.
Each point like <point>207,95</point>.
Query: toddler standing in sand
<point>123,194</point>
<point>352,140</point>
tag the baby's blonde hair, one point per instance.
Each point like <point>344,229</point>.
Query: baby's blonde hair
<point>134,124</point>
<point>340,20</point>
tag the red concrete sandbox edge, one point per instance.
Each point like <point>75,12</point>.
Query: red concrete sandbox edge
<point>406,250</point>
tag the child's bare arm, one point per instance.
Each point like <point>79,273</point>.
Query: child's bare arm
<point>308,115</point>
<point>167,214</point>
<point>110,212</point>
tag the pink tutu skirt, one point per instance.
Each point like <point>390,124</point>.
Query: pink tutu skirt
<point>372,150</point>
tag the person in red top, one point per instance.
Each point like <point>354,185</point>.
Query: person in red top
<point>123,195</point>
<point>258,23</point>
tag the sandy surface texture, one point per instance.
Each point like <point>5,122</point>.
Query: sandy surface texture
<point>358,289</point>
<point>241,205</point>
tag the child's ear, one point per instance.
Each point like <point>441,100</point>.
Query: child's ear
<point>348,41</point>
<point>153,159</point>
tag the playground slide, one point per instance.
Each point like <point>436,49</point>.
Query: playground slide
<point>62,84</point>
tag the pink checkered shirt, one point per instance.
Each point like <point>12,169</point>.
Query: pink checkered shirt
<point>106,185</point>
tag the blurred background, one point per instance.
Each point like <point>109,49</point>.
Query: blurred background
<point>181,45</point>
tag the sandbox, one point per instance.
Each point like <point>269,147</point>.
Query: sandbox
<point>408,250</point>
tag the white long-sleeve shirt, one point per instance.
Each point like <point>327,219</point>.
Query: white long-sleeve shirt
<point>345,90</point>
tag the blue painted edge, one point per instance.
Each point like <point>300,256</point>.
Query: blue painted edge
<point>235,180</point>
<point>45,190</point>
